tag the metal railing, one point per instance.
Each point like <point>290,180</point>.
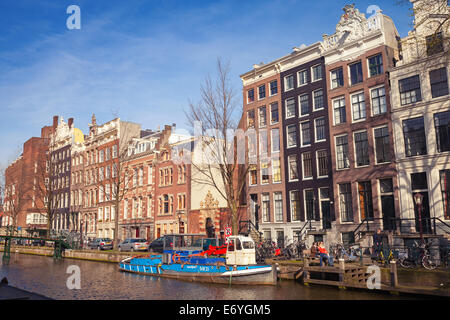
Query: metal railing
<point>246,227</point>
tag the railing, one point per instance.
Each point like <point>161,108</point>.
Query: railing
<point>246,226</point>
<point>303,229</point>
<point>429,226</point>
<point>359,229</point>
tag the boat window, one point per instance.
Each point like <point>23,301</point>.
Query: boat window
<point>238,244</point>
<point>247,245</point>
<point>231,245</point>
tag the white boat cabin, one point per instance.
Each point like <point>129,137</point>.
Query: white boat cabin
<point>240,251</point>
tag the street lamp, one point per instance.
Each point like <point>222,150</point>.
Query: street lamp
<point>418,198</point>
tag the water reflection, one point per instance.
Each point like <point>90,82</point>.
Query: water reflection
<point>102,281</point>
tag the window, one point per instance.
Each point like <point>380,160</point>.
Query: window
<point>275,134</point>
<point>305,134</point>
<point>278,206</point>
<point>125,209</point>
<point>442,126</point>
<point>342,152</point>
<point>345,202</point>
<point>382,151</point>
<point>365,200</point>
<point>253,175</point>
<point>276,170</point>
<point>264,173</point>
<point>358,106</point>
<point>304,104</point>
<point>293,170</point>
<point>339,110</point>
<point>274,113</point>
<point>309,204</point>
<point>445,189</point>
<point>291,135</point>
<point>262,117</point>
<point>337,78</point>
<point>302,77</point>
<point>409,90</point>
<point>265,207</point>
<point>378,97</point>
<point>322,163</point>
<point>318,99</point>
<point>294,197</point>
<point>251,118</point>
<point>307,165</point>
<point>356,75</point>
<point>263,142</point>
<point>150,174</point>
<point>273,87</point>
<point>262,92</point>
<point>438,82</point>
<point>288,82</point>
<point>114,151</point>
<point>376,65</point>
<point>316,72</point>
<point>107,154</point>
<point>414,135</point>
<point>290,108</point>
<point>319,125</point>
<point>250,95</point>
<point>361,149</point>
<point>101,156</point>
<point>434,43</point>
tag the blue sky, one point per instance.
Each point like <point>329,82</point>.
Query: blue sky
<point>142,60</point>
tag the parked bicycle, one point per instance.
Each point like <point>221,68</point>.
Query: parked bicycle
<point>339,251</point>
<point>416,256</point>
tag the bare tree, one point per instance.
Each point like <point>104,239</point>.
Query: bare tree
<point>115,177</point>
<point>17,194</point>
<point>216,129</point>
<point>48,198</point>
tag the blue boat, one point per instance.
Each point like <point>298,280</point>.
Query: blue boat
<point>184,258</point>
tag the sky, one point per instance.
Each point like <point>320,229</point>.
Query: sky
<point>143,60</point>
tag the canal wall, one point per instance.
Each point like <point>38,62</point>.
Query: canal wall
<point>91,255</point>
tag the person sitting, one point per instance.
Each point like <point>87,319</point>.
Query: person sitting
<point>377,243</point>
<point>314,252</point>
<point>323,254</point>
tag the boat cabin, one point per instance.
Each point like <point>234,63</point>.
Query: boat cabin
<point>240,251</point>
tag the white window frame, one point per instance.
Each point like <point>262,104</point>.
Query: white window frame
<point>370,96</point>
<point>354,147</point>
<point>333,109</point>
<point>302,145</point>
<point>365,106</point>
<point>314,101</point>
<point>312,73</point>
<point>287,136</point>
<point>303,167</point>
<point>317,164</point>
<point>289,168</point>
<point>285,108</point>
<point>299,77</point>
<point>285,82</point>
<point>315,130</point>
<point>336,151</point>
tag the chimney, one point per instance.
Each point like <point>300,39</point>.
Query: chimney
<point>70,123</point>
<point>55,122</point>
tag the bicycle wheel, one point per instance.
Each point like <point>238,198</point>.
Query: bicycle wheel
<point>428,263</point>
<point>405,263</point>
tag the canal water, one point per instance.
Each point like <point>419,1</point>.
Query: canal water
<point>103,281</point>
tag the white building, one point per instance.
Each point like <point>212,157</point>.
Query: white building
<point>421,119</point>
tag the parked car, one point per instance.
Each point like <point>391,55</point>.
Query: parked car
<point>39,243</point>
<point>157,245</point>
<point>133,245</point>
<point>101,244</point>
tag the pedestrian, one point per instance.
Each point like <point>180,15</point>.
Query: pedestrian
<point>323,254</point>
<point>314,250</point>
<point>377,243</point>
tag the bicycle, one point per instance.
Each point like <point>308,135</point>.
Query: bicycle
<point>339,252</point>
<point>423,258</point>
<point>384,256</point>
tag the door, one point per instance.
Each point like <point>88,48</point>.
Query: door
<point>326,214</point>
<point>137,232</point>
<point>388,212</point>
<point>253,207</point>
<point>425,214</point>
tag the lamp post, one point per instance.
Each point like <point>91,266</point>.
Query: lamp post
<point>418,197</point>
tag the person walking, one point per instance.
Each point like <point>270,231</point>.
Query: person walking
<point>377,243</point>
